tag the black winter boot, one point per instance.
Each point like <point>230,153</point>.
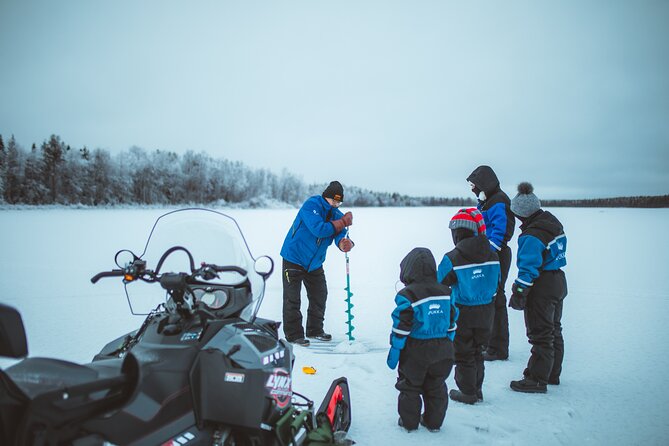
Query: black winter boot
<point>400,423</point>
<point>528,385</point>
<point>321,336</point>
<point>456,395</point>
<point>492,355</point>
<point>300,341</point>
<point>431,429</point>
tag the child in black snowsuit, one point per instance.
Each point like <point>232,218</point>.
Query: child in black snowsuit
<point>540,289</point>
<point>421,342</point>
<point>494,204</point>
<point>472,271</point>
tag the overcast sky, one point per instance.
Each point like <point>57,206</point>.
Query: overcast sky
<point>407,96</point>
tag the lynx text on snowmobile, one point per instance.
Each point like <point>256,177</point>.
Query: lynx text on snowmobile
<point>203,368</point>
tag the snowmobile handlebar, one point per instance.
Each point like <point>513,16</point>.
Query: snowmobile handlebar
<point>112,273</point>
<point>206,271</point>
<point>136,270</point>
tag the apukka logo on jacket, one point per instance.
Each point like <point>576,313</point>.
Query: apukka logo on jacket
<point>478,274</point>
<point>435,309</point>
<point>279,385</point>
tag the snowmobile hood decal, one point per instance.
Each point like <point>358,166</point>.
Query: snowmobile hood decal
<point>279,386</point>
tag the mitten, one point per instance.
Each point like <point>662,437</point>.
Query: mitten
<point>338,225</point>
<point>345,244</point>
<point>348,219</point>
<point>393,358</point>
<point>518,297</point>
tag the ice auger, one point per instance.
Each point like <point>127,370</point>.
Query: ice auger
<point>349,305</point>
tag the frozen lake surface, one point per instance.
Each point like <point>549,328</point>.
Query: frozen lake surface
<point>613,389</point>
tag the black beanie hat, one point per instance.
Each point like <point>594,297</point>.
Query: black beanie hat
<point>335,191</point>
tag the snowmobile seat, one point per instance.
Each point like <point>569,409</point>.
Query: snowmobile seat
<point>52,396</point>
<point>37,376</point>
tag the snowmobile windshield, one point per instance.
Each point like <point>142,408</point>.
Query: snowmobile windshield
<point>211,238</point>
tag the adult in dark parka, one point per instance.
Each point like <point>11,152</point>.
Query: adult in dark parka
<point>494,204</point>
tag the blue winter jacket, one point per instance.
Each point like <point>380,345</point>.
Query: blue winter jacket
<point>312,233</point>
<point>499,222</point>
<point>472,271</point>
<point>496,209</point>
<point>424,308</point>
<point>542,246</point>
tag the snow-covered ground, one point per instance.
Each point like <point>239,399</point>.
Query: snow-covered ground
<point>613,388</point>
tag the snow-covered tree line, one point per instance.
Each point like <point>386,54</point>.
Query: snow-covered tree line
<point>56,173</point>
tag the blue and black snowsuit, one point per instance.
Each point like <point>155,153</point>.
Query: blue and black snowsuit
<point>303,253</point>
<point>542,248</point>
<point>472,271</point>
<point>500,224</point>
<point>423,329</point>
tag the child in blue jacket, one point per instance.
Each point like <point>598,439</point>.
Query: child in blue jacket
<point>421,342</point>
<point>472,271</point>
<point>540,289</point>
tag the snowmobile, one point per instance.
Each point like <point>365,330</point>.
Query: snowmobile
<point>202,369</point>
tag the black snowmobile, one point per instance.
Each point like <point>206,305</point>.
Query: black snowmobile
<point>202,369</point>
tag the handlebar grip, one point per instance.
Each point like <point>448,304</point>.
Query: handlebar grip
<point>112,273</point>
<point>236,269</point>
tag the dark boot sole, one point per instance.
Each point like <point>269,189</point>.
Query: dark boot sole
<point>527,389</point>
<point>460,398</point>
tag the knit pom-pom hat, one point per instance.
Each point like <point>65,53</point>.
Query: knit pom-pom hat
<point>469,218</point>
<point>525,203</point>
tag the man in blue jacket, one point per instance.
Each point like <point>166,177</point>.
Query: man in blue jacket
<point>494,204</point>
<point>318,223</point>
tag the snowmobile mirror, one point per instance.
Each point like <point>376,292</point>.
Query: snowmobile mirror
<point>13,342</point>
<point>124,257</point>
<point>264,266</point>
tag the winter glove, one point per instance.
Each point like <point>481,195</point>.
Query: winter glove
<point>346,244</point>
<point>518,297</point>
<point>338,225</point>
<point>346,220</point>
<point>393,358</point>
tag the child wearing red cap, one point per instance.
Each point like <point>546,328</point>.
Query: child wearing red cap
<point>472,271</point>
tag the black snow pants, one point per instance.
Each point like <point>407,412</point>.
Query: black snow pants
<point>317,292</point>
<point>423,369</point>
<point>471,336</point>
<point>543,315</point>
<point>499,337</point>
